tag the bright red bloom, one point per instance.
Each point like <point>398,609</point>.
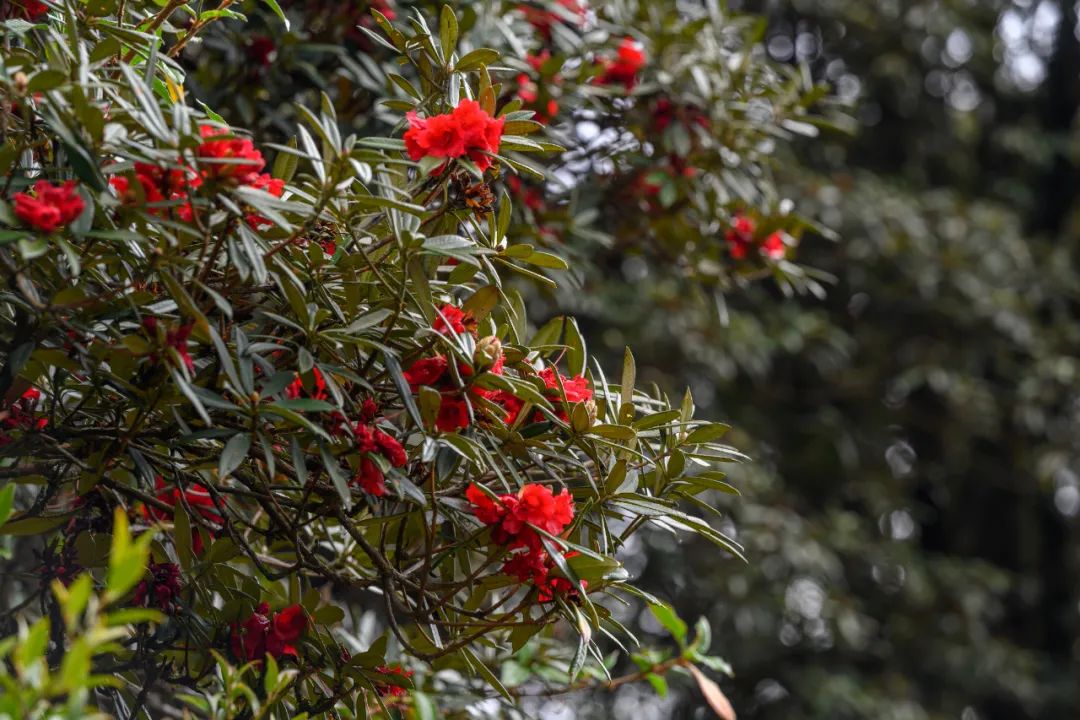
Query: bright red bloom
<point>740,236</point>
<point>274,186</point>
<point>453,414</point>
<point>512,515</point>
<point>774,247</point>
<point>391,449</point>
<point>229,159</point>
<point>426,371</point>
<point>50,206</point>
<point>453,319</point>
<point>129,194</point>
<point>161,589</point>
<point>261,633</point>
<point>624,68</point>
<point>467,130</point>
<point>369,409</point>
<point>389,688</point>
<point>370,478</point>
<point>296,387</point>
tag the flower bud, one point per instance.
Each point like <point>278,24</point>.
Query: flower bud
<point>21,81</point>
<point>488,352</point>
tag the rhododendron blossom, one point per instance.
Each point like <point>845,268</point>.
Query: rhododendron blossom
<point>388,688</point>
<point>623,69</point>
<point>196,497</point>
<point>262,633</point>
<point>452,319</point>
<point>49,206</point>
<point>20,416</point>
<point>513,517</point>
<point>160,589</point>
<point>228,158</point>
<point>466,131</point>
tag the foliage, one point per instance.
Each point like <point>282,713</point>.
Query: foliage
<point>320,382</point>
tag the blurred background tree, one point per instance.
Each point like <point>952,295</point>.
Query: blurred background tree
<point>912,512</point>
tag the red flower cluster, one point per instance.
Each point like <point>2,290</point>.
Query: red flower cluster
<point>50,206</point>
<point>161,589</point>
<point>389,689</point>
<point>196,497</point>
<point>537,568</point>
<point>529,91</point>
<point>576,388</point>
<point>467,131</point>
<point>370,440</point>
<point>158,184</point>
<point>20,416</point>
<point>513,516</point>
<point>174,338</point>
<point>229,159</point>
<point>623,69</point>
<point>666,113</point>
<point>263,633</point>
<point>740,238</point>
<point>544,20</point>
<point>274,186</point>
<point>296,387</point>
<point>435,372</point>
<point>32,10</point>
<point>452,319</point>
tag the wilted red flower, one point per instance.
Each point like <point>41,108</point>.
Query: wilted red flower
<point>177,339</point>
<point>161,589</point>
<point>453,319</point>
<point>228,158</point>
<point>453,414</point>
<point>467,130</point>
<point>262,633</point>
<point>388,688</point>
<point>623,69</point>
<point>370,478</point>
<point>391,449</point>
<point>50,206</point>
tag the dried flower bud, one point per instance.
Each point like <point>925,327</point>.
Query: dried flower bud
<point>20,80</point>
<point>488,352</point>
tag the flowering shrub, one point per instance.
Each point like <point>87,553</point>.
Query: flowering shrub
<point>244,400</point>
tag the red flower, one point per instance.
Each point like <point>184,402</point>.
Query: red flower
<point>543,19</point>
<point>130,195</point>
<point>536,567</point>
<point>512,515</point>
<point>467,130</point>
<point>228,159</point>
<point>260,633</point>
<point>370,478</point>
<point>20,416</point>
<point>161,589</point>
<point>261,50</point>
<point>296,387</point>
<point>391,449</point>
<point>624,68</point>
<point>32,10</point>
<point>274,186</point>
<point>177,339</point>
<point>50,206</point>
<point>453,414</point>
<point>426,371</point>
<point>774,247</point>
<point>196,496</point>
<point>740,236</point>
<point>453,319</point>
<point>389,688</point>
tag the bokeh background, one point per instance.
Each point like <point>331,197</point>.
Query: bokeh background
<point>911,513</point>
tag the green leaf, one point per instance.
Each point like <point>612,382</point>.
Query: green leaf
<point>233,455</point>
<point>476,58</point>
<point>273,5</point>
<point>7,502</point>
<point>666,616</point>
<point>448,32</point>
<point>707,433</point>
